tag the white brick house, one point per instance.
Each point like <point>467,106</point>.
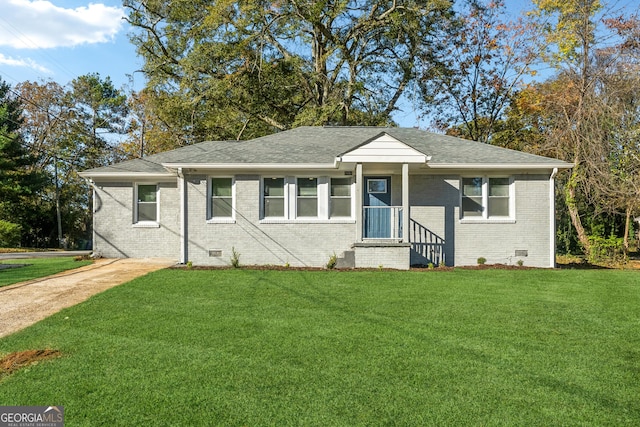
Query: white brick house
<point>391,197</point>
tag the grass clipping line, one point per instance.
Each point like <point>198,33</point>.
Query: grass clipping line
<point>21,359</point>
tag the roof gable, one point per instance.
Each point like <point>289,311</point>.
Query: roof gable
<point>383,148</point>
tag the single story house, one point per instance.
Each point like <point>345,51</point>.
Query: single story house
<point>373,196</point>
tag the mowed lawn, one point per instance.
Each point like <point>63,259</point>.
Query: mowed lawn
<point>325,348</point>
<point>35,268</point>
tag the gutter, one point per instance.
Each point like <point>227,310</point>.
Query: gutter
<point>505,166</point>
<point>252,166</point>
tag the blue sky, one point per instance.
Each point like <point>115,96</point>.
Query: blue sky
<point>60,40</point>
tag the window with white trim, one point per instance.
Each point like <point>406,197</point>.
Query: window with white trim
<point>221,198</point>
<point>273,198</point>
<point>307,197</point>
<point>340,198</point>
<point>485,197</point>
<point>146,203</point>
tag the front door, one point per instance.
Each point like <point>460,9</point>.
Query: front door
<point>377,214</point>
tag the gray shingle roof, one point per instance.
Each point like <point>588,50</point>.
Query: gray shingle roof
<point>321,145</point>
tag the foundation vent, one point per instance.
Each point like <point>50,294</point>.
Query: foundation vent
<point>522,252</point>
<point>216,253</point>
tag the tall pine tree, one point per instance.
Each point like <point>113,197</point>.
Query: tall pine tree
<point>18,181</point>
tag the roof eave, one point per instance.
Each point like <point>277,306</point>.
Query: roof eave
<point>252,166</point>
<point>511,166</point>
<point>126,174</point>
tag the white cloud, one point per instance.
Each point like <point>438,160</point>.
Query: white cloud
<point>39,24</point>
<point>29,63</point>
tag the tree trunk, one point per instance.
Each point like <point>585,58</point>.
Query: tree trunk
<point>574,214</point>
<point>627,226</point>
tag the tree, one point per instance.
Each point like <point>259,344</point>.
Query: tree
<point>584,119</point>
<point>221,69</point>
<point>18,181</point>
<point>477,72</point>
<point>68,130</point>
<point>571,32</point>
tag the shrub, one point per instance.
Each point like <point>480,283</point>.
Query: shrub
<point>520,263</point>
<point>9,234</point>
<point>235,258</point>
<point>482,260</point>
<point>606,249</point>
<point>333,260</point>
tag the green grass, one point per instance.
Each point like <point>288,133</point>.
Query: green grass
<point>325,348</point>
<point>36,268</point>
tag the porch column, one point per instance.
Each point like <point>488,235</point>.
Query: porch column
<point>359,186</point>
<point>405,202</point>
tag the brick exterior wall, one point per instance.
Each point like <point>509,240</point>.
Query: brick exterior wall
<point>436,231</point>
<point>439,235</point>
<point>297,243</point>
<point>115,235</point>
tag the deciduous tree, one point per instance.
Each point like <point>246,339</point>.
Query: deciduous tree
<point>220,69</point>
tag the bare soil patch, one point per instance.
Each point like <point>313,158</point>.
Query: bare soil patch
<point>21,359</point>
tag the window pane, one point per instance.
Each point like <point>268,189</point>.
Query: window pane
<point>471,206</point>
<point>274,207</point>
<point>308,187</point>
<point>307,207</point>
<point>341,187</point>
<point>498,206</point>
<point>499,187</point>
<point>147,211</point>
<point>146,193</point>
<point>221,187</point>
<point>376,186</point>
<point>221,207</point>
<point>472,186</point>
<point>340,207</point>
<point>274,187</point>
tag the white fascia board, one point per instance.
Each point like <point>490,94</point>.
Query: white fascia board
<point>469,166</point>
<point>347,158</point>
<point>252,166</point>
<point>126,175</point>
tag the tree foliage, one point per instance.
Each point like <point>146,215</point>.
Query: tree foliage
<point>476,73</point>
<point>18,182</point>
<point>67,130</point>
<point>237,69</point>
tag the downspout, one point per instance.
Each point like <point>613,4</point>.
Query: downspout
<point>93,214</point>
<point>552,218</point>
<point>183,217</point>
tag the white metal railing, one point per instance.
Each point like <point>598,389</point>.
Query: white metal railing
<point>382,222</point>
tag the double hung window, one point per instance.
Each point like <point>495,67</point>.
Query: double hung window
<point>340,197</point>
<point>486,198</point>
<point>306,198</point>
<point>146,203</point>
<point>221,202</point>
<point>273,197</point>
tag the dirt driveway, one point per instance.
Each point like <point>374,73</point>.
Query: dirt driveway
<point>26,303</point>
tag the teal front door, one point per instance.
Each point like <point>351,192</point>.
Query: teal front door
<point>377,214</point>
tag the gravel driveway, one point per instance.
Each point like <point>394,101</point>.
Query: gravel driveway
<point>24,304</point>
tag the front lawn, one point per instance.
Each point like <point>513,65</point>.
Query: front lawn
<point>325,348</point>
<point>36,268</point>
